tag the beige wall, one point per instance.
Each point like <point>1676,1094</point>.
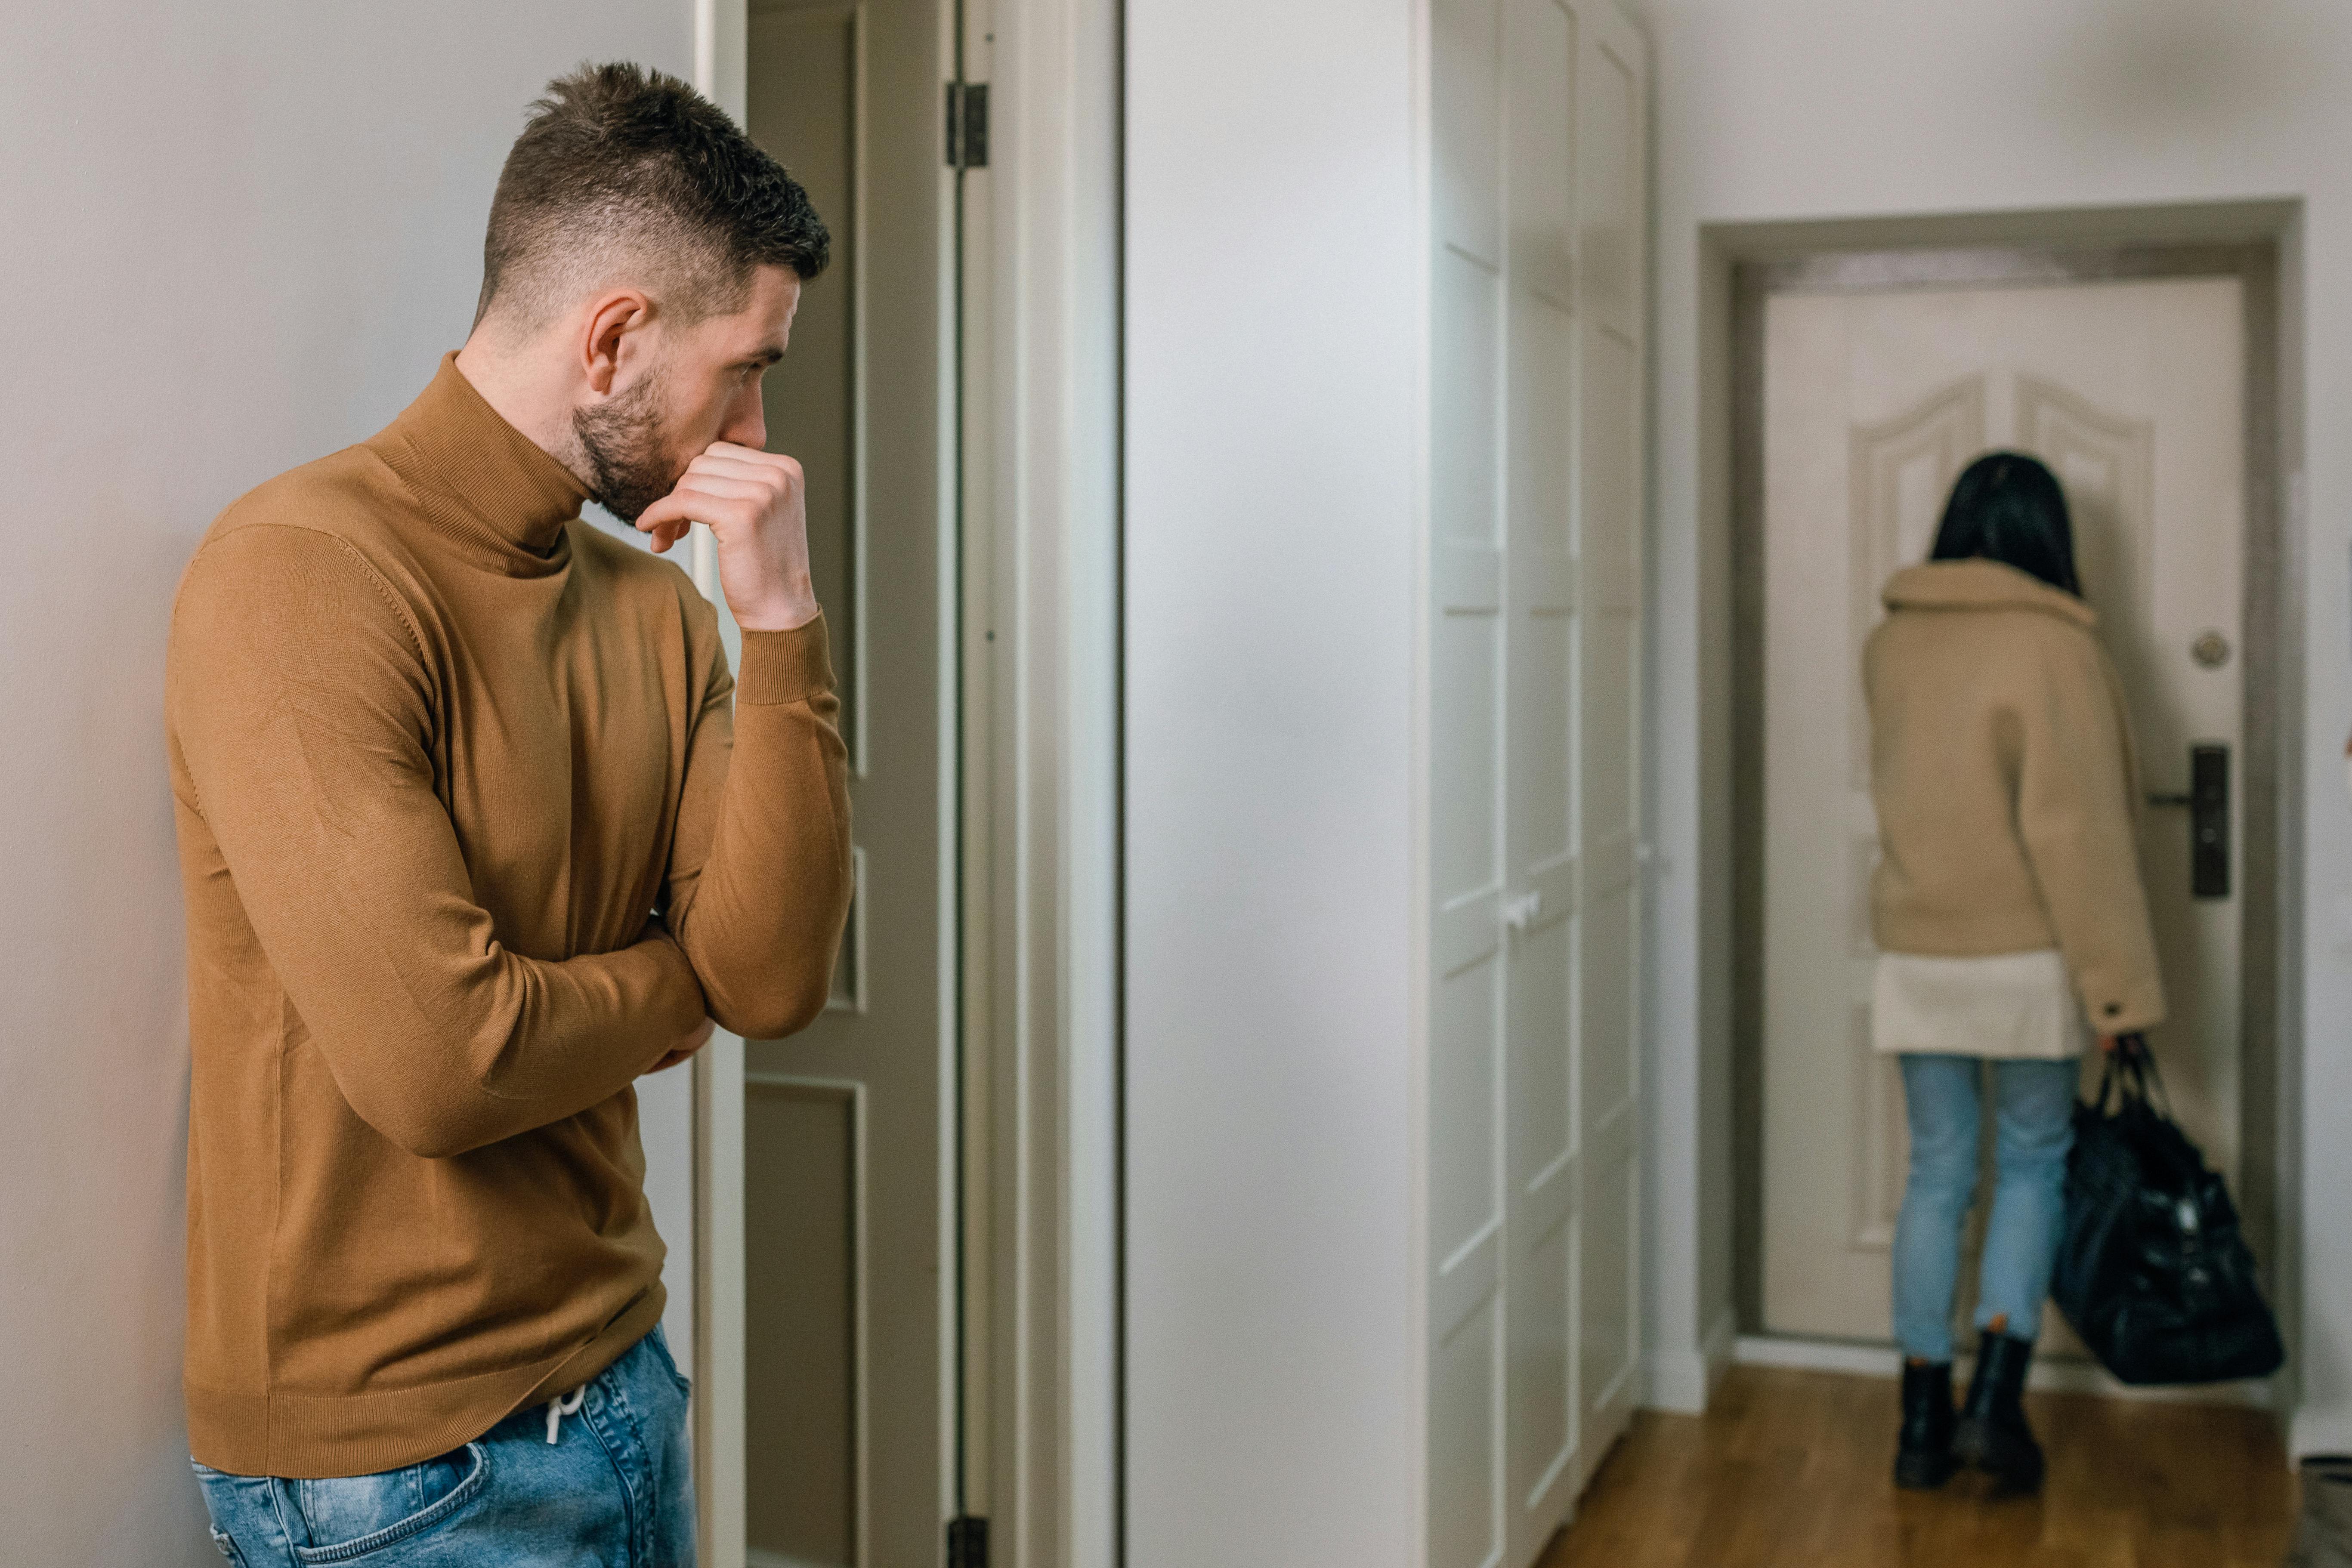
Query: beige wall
<point>1852,109</point>
<point>236,237</point>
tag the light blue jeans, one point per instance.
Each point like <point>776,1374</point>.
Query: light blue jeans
<point>2034,1106</point>
<point>613,1491</point>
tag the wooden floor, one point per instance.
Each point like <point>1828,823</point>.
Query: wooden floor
<point>1794,1468</point>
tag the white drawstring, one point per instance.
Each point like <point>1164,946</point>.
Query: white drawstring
<point>556,1410</point>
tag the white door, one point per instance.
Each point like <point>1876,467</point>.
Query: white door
<point>2133,392</point>
<point>849,1300</point>
<point>1536,517</point>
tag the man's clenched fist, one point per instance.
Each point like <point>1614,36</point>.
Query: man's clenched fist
<point>756,504</point>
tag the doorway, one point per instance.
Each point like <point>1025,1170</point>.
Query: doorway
<point>938,1196</point>
<point>2145,377</point>
<point>853,1282</point>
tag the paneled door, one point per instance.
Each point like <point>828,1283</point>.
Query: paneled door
<point>1536,322</point>
<point>849,1298</point>
<point>2134,392</point>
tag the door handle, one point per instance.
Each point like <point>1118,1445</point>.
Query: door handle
<point>2208,801</point>
<point>1520,913</point>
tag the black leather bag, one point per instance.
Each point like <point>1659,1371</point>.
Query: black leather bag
<point>2152,1271</point>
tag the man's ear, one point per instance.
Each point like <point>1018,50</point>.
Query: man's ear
<point>613,334</point>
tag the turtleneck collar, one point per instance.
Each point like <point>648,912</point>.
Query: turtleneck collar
<point>481,479</point>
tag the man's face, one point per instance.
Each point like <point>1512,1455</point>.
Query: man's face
<point>699,385</point>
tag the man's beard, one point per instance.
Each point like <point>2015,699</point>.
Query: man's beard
<point>622,439</point>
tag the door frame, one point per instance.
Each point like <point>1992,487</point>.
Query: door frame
<point>1045,518</point>
<point>1054,323</point>
<point>2272,714</point>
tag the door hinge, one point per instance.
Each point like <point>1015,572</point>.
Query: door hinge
<point>968,1542</point>
<point>967,125</point>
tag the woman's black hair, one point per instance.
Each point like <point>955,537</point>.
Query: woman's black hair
<point>2007,506</point>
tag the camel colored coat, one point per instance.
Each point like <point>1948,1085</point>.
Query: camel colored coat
<point>2007,793</point>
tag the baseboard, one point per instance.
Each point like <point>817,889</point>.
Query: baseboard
<point>1678,1382</point>
<point>1817,1355</point>
<point>1684,1381</point>
<point>1722,1343</point>
<point>2048,1375</point>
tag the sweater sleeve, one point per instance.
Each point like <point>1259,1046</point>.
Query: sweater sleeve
<point>300,708</point>
<point>2076,816</point>
<point>760,876</point>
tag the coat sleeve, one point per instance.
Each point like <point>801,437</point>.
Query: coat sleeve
<point>759,875</point>
<point>300,709</point>
<point>2076,815</point>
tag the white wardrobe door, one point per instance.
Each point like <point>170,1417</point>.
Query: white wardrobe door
<point>1467,653</point>
<point>1542,1221</point>
<point>1611,222</point>
<point>1536,509</point>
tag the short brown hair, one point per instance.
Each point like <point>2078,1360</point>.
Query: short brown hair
<point>621,169</point>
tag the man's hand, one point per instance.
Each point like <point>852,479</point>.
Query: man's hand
<point>696,1039</point>
<point>756,504</point>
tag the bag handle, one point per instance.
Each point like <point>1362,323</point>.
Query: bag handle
<point>2131,1074</point>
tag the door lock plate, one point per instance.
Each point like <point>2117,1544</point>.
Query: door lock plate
<point>2208,801</point>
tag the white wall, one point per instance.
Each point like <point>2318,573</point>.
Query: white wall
<point>1856,109</point>
<point>237,237</point>
<point>1273,362</point>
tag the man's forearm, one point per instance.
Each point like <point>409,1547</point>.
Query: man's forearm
<point>762,921</point>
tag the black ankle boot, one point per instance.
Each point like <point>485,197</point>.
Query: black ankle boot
<point>1923,1457</point>
<point>1992,1434</point>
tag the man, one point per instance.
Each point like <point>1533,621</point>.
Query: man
<point>476,829</point>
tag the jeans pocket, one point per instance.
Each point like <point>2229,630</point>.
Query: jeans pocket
<point>359,1514</point>
<point>669,1361</point>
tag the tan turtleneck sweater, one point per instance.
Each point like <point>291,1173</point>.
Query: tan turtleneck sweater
<point>474,826</point>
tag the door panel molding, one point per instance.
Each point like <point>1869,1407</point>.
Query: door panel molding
<point>848,1098</point>
<point>1931,439</point>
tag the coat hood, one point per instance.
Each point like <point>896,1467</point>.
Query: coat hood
<point>1981,584</point>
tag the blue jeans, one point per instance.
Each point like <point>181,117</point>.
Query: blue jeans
<point>2034,1128</point>
<point>614,1491</point>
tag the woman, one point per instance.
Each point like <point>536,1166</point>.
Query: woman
<point>2007,908</point>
